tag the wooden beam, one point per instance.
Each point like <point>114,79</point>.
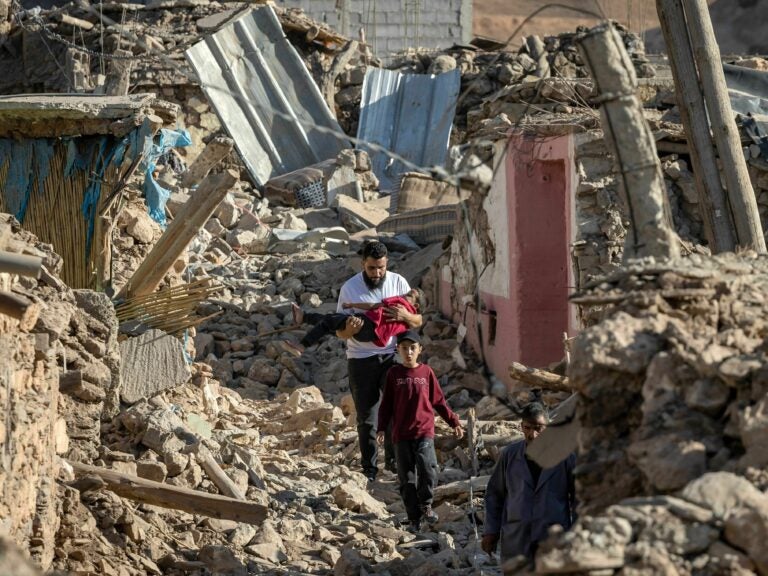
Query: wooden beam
<point>20,264</point>
<point>73,22</point>
<point>472,434</point>
<point>223,482</point>
<point>539,378</point>
<point>167,496</point>
<point>630,140</point>
<point>180,232</point>
<point>20,308</point>
<point>339,63</point>
<point>461,487</point>
<point>715,211</point>
<point>741,196</point>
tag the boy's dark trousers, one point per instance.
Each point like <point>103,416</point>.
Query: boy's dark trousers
<point>417,473</point>
<point>366,380</point>
<point>325,324</point>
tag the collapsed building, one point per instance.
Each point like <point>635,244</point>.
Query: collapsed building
<point>264,444</point>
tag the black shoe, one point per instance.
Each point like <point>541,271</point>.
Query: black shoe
<point>371,476</point>
<point>429,515</point>
<point>414,527</point>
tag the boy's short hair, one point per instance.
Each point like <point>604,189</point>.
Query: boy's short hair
<point>533,410</point>
<point>374,249</point>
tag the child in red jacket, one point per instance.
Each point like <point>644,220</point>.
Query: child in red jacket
<point>411,397</point>
<point>376,328</point>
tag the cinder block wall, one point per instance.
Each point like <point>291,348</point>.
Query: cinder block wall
<point>393,25</point>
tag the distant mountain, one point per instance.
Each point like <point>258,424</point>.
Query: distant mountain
<point>740,25</point>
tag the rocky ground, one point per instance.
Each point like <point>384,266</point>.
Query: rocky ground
<point>670,370</point>
<point>282,429</point>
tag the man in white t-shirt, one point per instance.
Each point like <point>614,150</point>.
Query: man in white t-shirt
<point>368,363</point>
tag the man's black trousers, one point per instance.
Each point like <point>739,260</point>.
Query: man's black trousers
<point>366,381</point>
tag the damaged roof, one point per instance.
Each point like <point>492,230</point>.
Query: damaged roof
<point>265,97</point>
<point>52,115</point>
<point>409,114</point>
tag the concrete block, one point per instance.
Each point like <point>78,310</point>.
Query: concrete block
<point>151,363</point>
<point>395,45</point>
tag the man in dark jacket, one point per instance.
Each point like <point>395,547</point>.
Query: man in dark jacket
<point>522,501</point>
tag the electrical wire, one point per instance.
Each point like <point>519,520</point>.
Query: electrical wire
<point>435,171</point>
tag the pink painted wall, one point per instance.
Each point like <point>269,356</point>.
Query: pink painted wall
<point>531,309</point>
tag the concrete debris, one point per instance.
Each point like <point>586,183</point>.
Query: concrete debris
<point>670,480</point>
<point>151,363</point>
<point>673,411</point>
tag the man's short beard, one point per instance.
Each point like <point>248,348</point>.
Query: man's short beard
<point>373,283</point>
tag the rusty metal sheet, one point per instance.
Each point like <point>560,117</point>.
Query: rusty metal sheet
<point>410,114</point>
<point>265,97</point>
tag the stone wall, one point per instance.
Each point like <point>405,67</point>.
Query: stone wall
<point>30,433</point>
<point>601,213</point>
<point>394,25</point>
<point>59,379</point>
<point>672,449</point>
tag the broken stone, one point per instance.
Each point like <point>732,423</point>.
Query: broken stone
<point>142,228</point>
<point>151,470</point>
<point>151,363</point>
<point>228,213</point>
<point>351,497</point>
<point>250,241</point>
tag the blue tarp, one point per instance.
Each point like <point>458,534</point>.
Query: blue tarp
<point>29,165</point>
<point>156,196</point>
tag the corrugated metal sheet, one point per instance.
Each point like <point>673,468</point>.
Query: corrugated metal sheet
<point>410,114</point>
<point>249,70</point>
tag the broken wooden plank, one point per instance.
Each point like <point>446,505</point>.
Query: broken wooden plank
<point>187,223</point>
<point>20,264</point>
<point>223,482</point>
<point>167,496</point>
<point>539,378</point>
<point>472,437</point>
<point>461,487</point>
<point>74,22</point>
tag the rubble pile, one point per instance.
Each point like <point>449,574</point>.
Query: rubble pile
<point>672,442</point>
<point>282,443</point>
<point>547,73</point>
<point>148,38</point>
<point>291,454</point>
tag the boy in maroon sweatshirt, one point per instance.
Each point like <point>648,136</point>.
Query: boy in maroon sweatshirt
<point>411,396</point>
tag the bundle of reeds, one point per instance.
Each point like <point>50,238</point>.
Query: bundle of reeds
<point>56,206</point>
<point>172,309</point>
